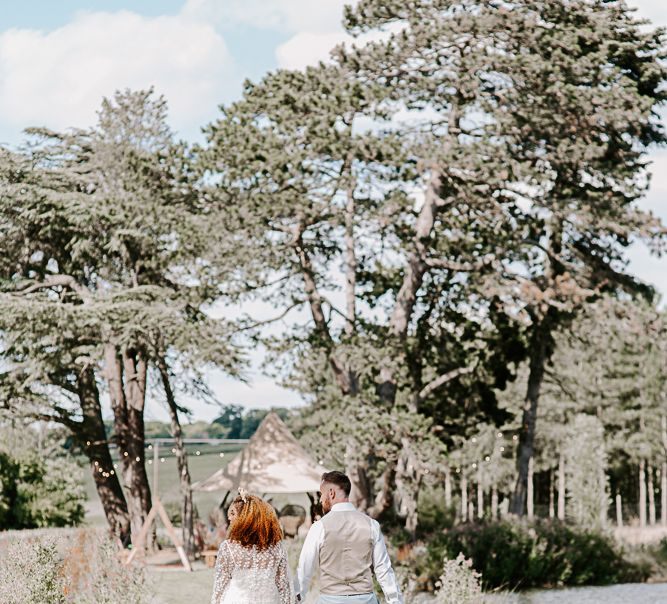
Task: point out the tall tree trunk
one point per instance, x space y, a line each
538 357
408 481
126 378
619 511
480 500
350 264
464 499
529 492
651 496
663 494
561 487
187 507
448 488
494 503
642 494
552 511
93 439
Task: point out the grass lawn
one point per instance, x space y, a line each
201 466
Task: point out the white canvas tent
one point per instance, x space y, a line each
272 462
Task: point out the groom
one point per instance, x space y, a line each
348 547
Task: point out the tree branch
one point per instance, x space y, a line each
460 266
443 379
59 281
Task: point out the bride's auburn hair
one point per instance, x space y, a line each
256 523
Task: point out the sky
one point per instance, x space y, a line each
58 58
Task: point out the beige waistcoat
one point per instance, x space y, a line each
346 554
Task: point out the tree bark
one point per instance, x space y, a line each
619 511
126 378
93 439
538 358
187 507
552 511
651 496
480 500
464 499
494 503
642 494
561 487
663 494
529 492
448 488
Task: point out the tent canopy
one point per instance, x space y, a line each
272 462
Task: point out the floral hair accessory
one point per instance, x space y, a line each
243 494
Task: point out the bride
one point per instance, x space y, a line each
251 567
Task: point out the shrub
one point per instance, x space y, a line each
81 567
459 583
521 555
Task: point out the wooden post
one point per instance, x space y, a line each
530 502
619 511
158 509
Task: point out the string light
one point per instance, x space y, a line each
197 453
487 458
502 449
138 458
97 463
222 454
458 470
112 472
474 439
173 450
150 447
474 465
150 462
88 443
162 460
125 453
515 437
500 434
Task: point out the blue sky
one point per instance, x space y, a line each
58 58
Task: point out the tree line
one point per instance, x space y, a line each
427 214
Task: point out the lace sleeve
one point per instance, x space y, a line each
283 580
223 574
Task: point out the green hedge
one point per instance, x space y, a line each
520 555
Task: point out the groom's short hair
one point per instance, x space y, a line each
339 479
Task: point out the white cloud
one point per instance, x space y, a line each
288 16
655 10
307 48
59 78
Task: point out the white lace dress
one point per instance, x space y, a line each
248 575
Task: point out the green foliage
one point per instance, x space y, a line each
520 555
236 422
586 468
41 487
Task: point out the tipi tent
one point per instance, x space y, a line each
272 462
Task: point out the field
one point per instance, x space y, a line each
201 466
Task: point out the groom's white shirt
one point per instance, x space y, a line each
310 555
